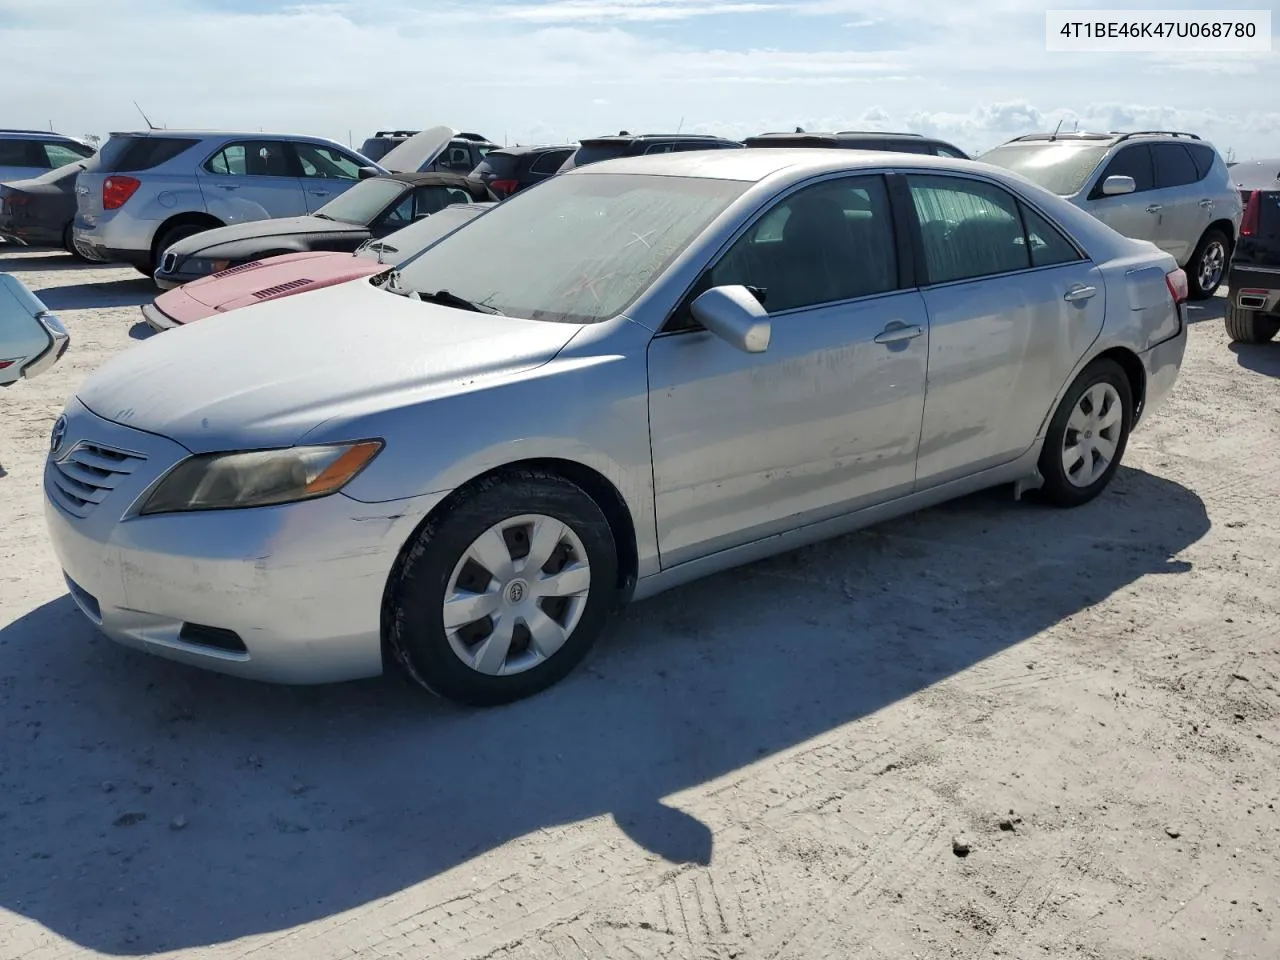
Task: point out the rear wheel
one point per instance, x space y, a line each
1250 326
69 243
1087 435
1208 265
504 594
171 236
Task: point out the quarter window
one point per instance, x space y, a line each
1174 165
250 158
1133 162
829 242
60 154
969 229
1047 244
549 162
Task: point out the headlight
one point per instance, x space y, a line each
260 478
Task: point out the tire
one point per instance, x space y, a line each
1101 380
169 238
1250 326
1208 265
439 561
68 243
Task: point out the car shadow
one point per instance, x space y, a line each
142 331
1201 311
24 259
301 803
133 292
1259 357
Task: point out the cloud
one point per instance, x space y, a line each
974 73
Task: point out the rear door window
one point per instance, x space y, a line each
251 158
1132 161
969 229
1174 165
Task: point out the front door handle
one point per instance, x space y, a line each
228 186
320 193
1154 208
1079 292
898 332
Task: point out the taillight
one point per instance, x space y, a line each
1249 225
117 190
1176 281
507 187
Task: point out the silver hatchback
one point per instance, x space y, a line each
641 372
1167 187
151 189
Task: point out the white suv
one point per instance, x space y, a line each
1170 188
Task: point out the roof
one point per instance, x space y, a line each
520 151
756 165
625 137
48 134
1112 137
227 134
838 135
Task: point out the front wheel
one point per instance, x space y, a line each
504 594
1207 266
1250 326
1087 435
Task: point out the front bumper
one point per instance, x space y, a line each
299 585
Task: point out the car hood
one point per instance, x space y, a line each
267 375
418 151
261 230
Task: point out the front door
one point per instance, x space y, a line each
326 172
825 421
1136 214
1012 306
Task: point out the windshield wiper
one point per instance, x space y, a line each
322 216
442 297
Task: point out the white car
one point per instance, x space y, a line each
31 338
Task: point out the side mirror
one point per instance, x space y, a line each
734 315
1116 186
367 172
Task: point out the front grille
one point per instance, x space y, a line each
83 478
269 292
170 261
230 270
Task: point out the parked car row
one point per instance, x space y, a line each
642 371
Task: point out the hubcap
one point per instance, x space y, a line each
1093 434
1211 265
516 595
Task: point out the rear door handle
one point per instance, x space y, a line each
1079 292
228 186
1154 208
321 193
1206 203
898 332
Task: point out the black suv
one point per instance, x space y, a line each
860 140
634 145
510 169
465 150
1253 310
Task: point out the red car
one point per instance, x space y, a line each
292 273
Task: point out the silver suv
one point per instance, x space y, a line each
151 189
29 153
1170 188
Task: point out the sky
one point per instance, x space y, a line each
974 72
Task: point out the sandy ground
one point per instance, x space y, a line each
771 764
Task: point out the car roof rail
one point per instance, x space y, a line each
1157 133
474 137
38 133
876 133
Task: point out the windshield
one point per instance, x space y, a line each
576 249
411 240
1061 167
361 203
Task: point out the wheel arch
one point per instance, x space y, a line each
1134 372
193 217
1228 230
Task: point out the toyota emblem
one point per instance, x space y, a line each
59 431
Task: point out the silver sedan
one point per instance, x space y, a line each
637 374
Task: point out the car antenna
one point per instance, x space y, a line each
681 126
150 125
1054 135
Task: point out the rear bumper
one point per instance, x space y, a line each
1162 363
1255 288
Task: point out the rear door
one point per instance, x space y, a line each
1183 218
326 172
252 180
1012 304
